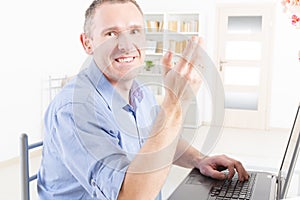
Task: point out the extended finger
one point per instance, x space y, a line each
187 55
197 58
167 62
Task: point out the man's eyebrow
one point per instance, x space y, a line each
117 28
136 26
113 28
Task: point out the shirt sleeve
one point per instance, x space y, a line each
90 150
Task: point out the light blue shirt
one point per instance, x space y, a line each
91 136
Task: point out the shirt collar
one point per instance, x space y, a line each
109 93
136 95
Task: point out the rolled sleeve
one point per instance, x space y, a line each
108 184
103 163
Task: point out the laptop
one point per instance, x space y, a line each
261 185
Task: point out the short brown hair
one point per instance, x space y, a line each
90 12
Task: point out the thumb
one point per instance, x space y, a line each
215 174
220 175
211 172
166 63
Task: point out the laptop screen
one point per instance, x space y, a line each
290 156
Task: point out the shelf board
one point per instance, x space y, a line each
154 32
189 126
153 54
149 74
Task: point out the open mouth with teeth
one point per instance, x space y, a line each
125 59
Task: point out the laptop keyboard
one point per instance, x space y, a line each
233 189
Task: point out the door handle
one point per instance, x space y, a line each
221 62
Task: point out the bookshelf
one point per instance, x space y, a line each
169 31
181 27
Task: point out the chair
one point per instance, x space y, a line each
24 165
55 85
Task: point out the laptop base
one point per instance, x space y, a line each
198 187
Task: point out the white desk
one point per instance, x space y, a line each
176 175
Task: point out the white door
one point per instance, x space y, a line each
244 48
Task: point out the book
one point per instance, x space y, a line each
154 25
159 47
173 26
189 26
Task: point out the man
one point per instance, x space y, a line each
105 136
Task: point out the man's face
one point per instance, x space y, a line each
118 40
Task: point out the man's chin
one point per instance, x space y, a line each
130 75
130 71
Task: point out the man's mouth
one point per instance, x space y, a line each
125 60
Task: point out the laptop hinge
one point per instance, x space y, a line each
279 182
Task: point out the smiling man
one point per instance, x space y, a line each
105 136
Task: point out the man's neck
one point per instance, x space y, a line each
123 87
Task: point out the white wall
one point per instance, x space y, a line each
41 38
285 94
38 39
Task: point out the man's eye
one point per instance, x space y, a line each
112 34
135 31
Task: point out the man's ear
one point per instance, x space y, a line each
86 43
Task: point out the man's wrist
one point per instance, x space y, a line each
173 111
198 159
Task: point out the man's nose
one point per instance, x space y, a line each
125 43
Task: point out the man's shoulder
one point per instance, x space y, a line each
76 90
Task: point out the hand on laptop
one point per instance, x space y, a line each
214 165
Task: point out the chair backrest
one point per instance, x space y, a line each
56 84
24 165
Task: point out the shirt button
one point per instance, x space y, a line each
93 183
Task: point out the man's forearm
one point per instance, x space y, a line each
186 155
148 171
